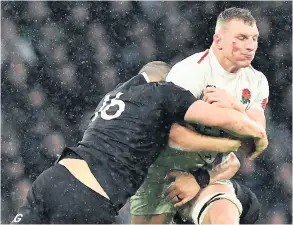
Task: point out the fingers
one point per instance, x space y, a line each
209 89
255 155
257 152
213 90
210 97
261 145
170 188
171 175
175 200
252 157
178 200
237 145
183 201
232 156
171 193
218 104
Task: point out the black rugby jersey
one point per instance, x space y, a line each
128 130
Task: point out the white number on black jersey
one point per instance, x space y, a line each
109 103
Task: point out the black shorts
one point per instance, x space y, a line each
58 197
249 201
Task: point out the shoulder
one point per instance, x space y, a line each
189 68
170 89
169 85
193 61
255 74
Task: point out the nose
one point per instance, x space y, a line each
251 45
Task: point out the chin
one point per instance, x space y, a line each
244 63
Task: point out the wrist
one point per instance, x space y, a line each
202 176
239 107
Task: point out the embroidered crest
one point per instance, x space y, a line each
246 95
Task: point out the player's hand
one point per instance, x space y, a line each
221 98
260 145
183 189
234 145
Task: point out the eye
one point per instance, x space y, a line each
241 38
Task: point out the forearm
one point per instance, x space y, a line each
227 119
232 104
185 139
254 114
242 126
238 106
257 116
225 170
246 143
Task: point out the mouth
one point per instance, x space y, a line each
248 56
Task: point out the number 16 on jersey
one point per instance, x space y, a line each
106 106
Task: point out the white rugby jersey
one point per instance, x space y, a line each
200 70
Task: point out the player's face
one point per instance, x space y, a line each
240 42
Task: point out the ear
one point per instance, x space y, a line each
218 41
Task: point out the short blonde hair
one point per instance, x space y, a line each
156 70
235 13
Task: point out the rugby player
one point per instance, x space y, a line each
221 75
130 126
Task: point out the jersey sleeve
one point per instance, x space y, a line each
261 99
177 100
187 75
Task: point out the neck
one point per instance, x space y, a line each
224 62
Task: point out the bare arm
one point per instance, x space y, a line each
221 98
250 145
255 146
257 115
253 113
231 120
218 97
185 139
225 170
247 145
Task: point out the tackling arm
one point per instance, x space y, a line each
257 115
247 144
232 121
220 98
185 139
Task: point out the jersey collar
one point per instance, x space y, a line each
217 66
144 74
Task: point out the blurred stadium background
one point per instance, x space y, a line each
59 58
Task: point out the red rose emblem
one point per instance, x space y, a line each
264 103
246 93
